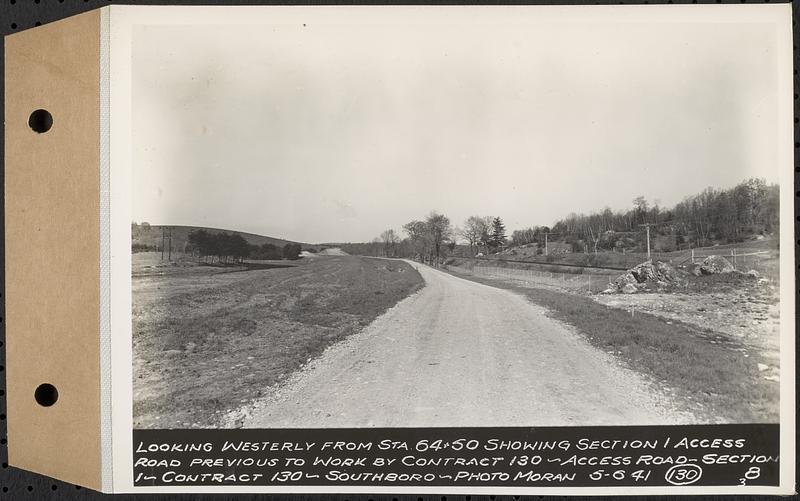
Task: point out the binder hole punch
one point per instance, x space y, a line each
46 395
40 121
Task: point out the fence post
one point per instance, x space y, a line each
733 255
692 256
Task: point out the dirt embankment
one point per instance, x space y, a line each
205 342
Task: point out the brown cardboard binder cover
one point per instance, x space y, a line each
52 248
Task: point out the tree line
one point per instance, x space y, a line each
712 216
230 248
484 234
432 239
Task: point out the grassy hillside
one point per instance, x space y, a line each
149 237
767 262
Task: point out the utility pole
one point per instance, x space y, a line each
163 238
169 254
545 243
647 227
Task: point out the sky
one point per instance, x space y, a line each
336 132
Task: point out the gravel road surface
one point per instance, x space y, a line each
459 353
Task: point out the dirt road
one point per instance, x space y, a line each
459 353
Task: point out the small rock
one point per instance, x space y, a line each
762 367
772 378
629 289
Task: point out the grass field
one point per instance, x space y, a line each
207 340
713 373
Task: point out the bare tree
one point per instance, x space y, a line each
439 231
594 236
390 240
376 246
418 238
475 229
641 207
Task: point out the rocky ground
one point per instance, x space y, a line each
741 307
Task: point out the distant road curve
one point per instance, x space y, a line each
459 353
333 251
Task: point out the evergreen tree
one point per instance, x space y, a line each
498 237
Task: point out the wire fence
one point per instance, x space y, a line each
576 282
592 279
742 258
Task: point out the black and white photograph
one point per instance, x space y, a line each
459 220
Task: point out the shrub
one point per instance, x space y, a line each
143 248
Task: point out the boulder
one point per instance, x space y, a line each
713 265
693 269
646 276
645 272
627 278
665 272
